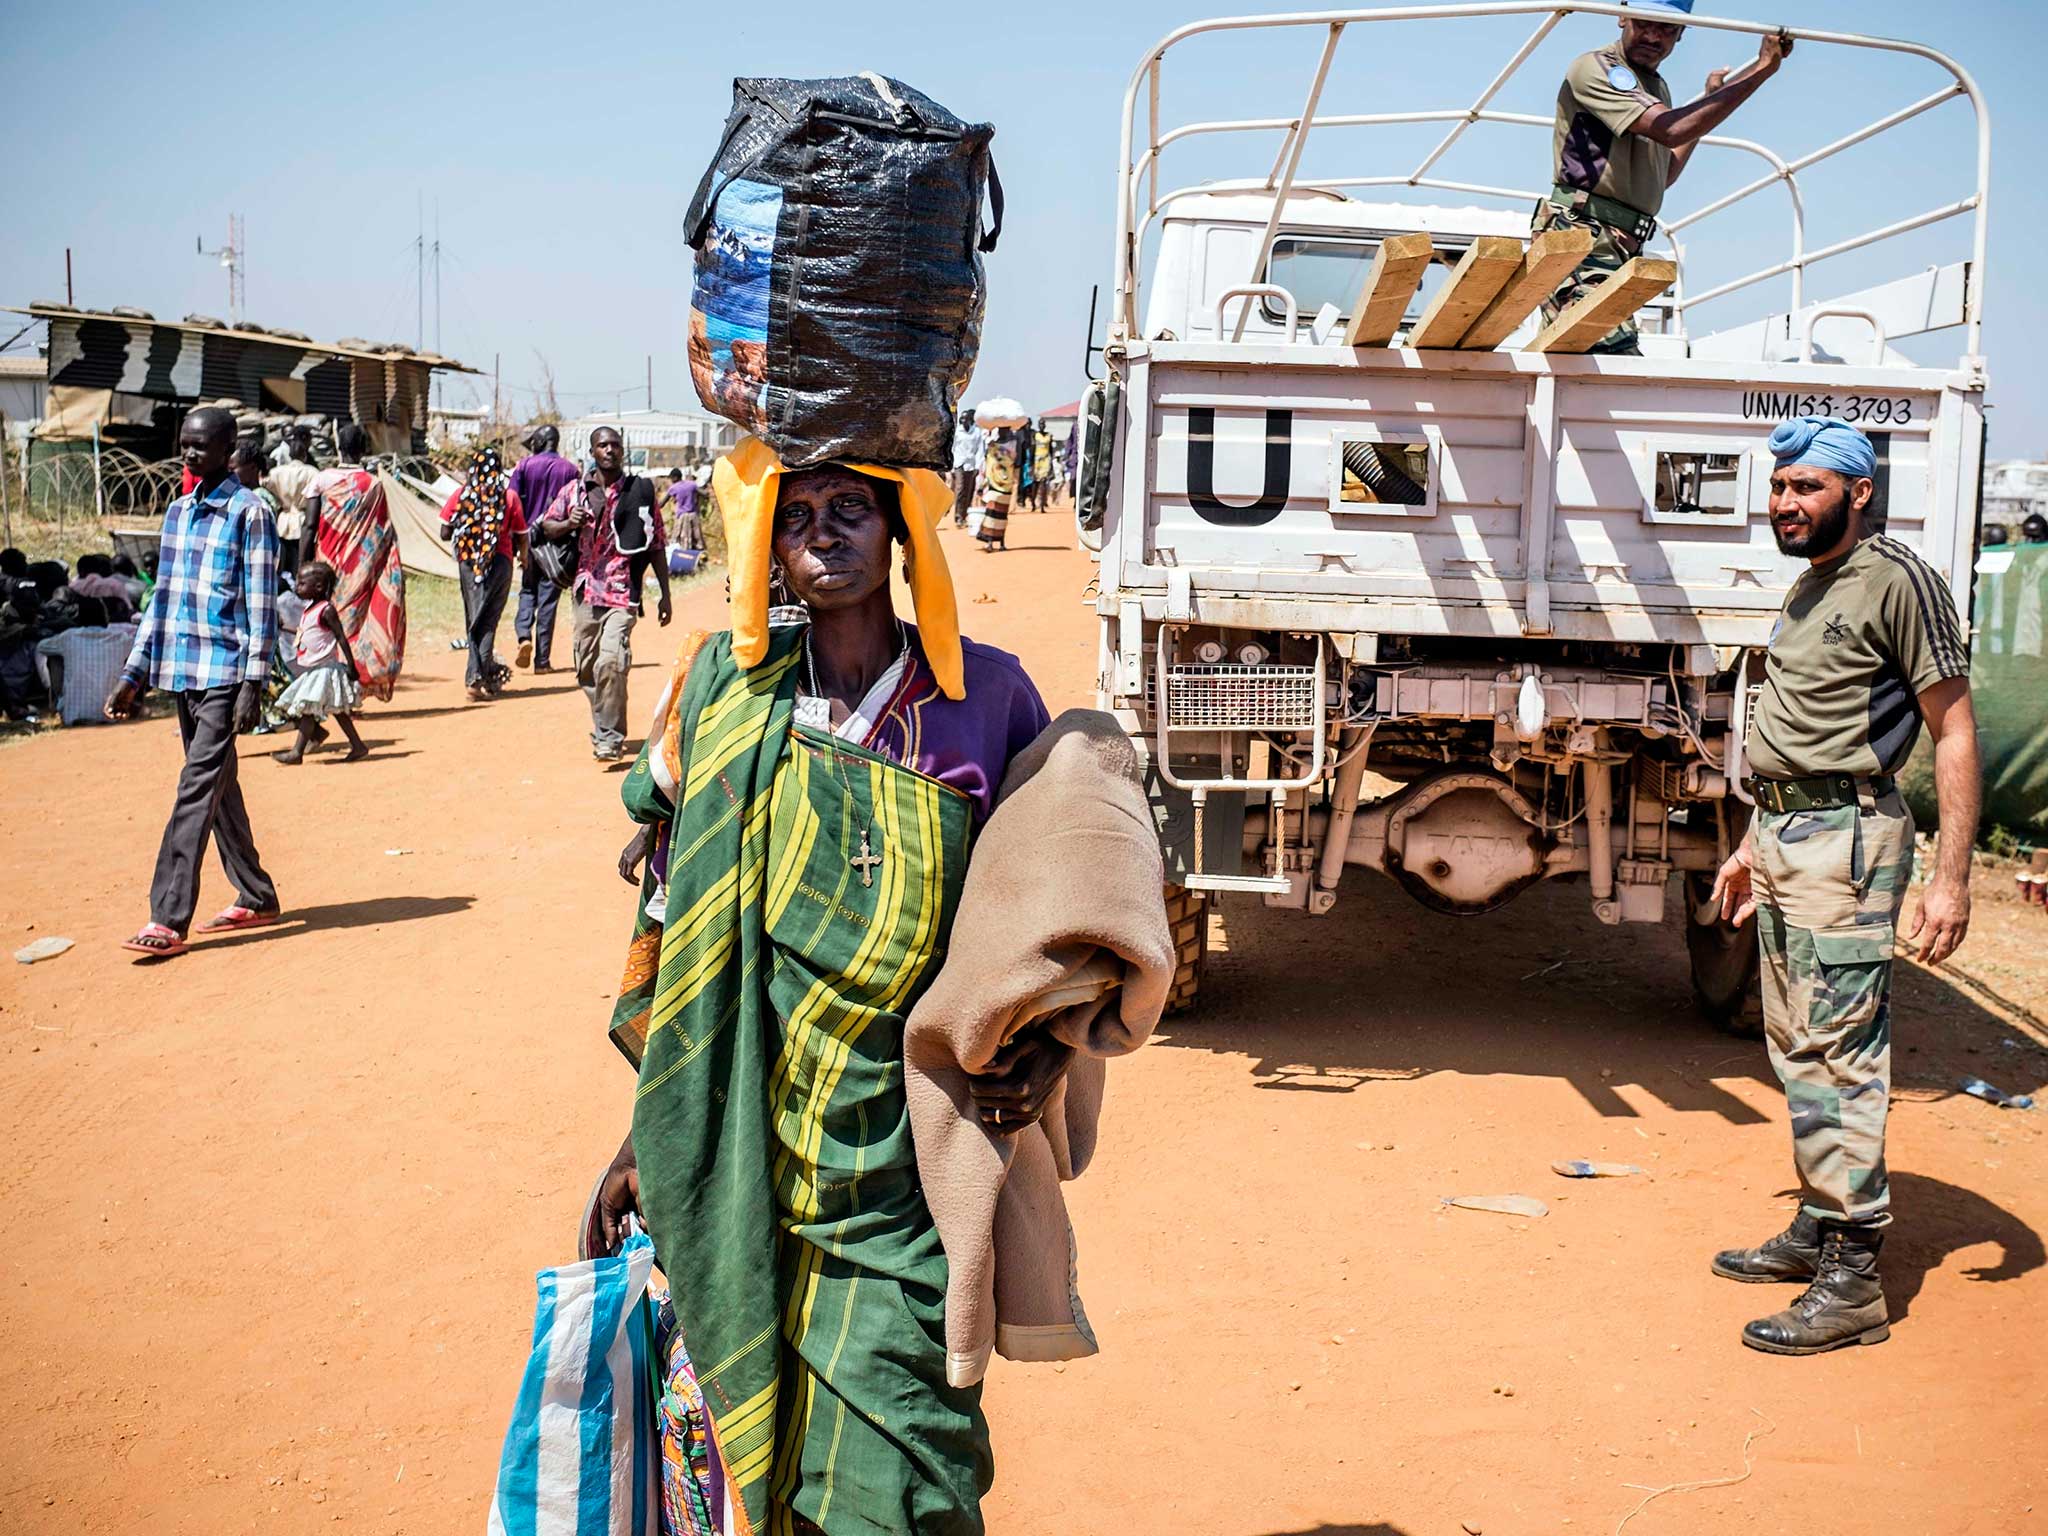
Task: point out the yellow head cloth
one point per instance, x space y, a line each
747 482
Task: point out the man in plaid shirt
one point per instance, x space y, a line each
207 638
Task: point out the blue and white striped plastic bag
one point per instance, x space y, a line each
582 1455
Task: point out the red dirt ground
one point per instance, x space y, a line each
273 1209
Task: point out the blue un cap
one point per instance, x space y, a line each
1677 10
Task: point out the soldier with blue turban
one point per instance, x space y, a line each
1619 143
1867 647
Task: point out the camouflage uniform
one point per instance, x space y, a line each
1599 161
1859 640
1829 885
1612 248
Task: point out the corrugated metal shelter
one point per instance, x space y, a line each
95 356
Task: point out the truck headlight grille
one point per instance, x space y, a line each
1228 696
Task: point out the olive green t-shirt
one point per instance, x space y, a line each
1602 96
1859 640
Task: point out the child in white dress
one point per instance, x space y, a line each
326 684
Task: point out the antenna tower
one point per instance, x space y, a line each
234 256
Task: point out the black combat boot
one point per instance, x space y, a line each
1794 1254
1844 1305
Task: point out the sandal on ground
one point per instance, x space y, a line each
228 919
156 941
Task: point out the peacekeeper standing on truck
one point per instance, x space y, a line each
1868 646
1620 143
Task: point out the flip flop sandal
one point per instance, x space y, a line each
231 918
156 941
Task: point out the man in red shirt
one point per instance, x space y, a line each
616 518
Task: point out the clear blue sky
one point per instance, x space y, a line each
560 157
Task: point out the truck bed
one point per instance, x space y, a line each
1542 515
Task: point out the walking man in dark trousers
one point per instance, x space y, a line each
207 639
1868 646
547 567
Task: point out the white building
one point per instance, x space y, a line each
24 390
654 439
2014 490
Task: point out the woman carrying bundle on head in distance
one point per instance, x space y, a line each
1000 476
807 797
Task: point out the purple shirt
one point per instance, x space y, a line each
537 478
965 743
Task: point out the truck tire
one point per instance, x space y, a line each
1187 913
1725 963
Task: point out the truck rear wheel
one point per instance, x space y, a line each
1725 963
1187 913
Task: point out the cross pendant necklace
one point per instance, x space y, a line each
867 862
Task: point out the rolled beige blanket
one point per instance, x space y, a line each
1062 919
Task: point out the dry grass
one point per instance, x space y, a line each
69 537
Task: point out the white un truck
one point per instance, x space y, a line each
1359 511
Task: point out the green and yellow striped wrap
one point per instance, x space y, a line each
777 1174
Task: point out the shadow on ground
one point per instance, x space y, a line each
519 690
368 913
1936 1219
1384 989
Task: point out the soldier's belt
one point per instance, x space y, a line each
1630 220
1825 793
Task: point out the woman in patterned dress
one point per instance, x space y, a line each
349 526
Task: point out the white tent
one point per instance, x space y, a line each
416 515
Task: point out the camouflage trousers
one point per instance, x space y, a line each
1612 249
1829 885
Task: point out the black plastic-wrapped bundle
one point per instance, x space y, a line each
837 300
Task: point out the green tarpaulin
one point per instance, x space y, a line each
2009 686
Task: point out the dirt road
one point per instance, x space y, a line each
273 1209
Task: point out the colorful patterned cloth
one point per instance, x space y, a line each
213 620
692 1493
811 887
358 540
478 523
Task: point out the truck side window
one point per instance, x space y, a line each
1319 271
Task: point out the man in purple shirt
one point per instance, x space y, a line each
550 563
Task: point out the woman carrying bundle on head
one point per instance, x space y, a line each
807 798
1000 474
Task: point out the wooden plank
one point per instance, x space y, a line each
1396 273
1553 256
1607 306
1473 283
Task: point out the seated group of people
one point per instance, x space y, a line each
65 632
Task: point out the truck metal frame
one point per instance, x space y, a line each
1527 589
